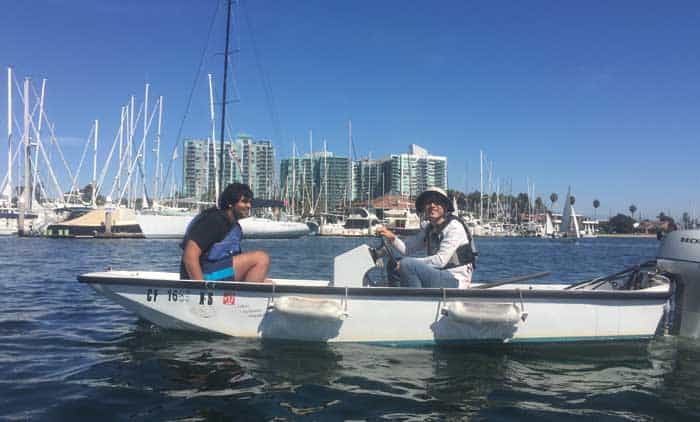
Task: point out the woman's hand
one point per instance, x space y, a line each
388 234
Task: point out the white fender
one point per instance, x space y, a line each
309 307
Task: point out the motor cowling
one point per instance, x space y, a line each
679 255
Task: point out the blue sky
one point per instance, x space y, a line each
602 97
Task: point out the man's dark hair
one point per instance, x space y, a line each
234 193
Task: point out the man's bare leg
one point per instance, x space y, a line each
251 266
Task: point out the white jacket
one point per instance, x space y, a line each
453 237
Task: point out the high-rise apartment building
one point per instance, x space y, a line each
410 174
201 168
370 179
258 166
317 182
332 182
245 161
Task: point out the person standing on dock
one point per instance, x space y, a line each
212 242
445 238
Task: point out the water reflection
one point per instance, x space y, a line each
354 380
171 374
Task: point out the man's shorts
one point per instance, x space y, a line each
221 270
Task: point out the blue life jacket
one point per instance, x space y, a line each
229 246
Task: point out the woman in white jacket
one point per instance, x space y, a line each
449 262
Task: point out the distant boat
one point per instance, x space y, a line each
569 223
172 225
8 221
402 221
548 226
93 223
358 222
590 228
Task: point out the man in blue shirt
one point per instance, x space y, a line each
212 242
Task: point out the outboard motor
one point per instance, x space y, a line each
679 255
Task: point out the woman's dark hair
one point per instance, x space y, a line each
234 193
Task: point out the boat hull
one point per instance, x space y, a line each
385 315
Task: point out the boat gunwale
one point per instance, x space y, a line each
445 293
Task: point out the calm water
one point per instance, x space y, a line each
67 353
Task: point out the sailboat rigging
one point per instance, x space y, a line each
223 102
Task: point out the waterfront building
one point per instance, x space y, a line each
332 181
297 184
370 179
257 161
245 161
315 182
199 171
405 175
303 179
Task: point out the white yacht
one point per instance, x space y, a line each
358 222
402 221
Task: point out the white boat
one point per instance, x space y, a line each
347 310
545 230
265 228
476 227
33 221
403 222
173 226
548 225
569 223
88 223
359 222
589 229
8 221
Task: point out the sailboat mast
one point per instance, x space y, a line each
311 184
9 129
144 157
27 171
481 185
212 150
349 190
294 181
158 176
223 102
130 144
37 142
325 175
93 200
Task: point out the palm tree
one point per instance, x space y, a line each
633 209
553 198
686 220
539 204
572 199
596 204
